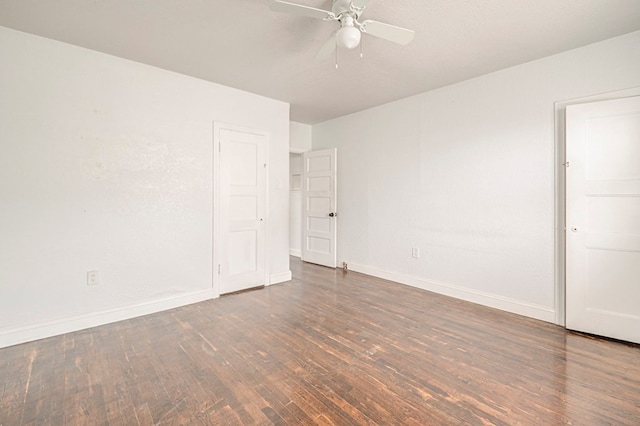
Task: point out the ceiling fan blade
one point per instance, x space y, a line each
328 47
388 32
299 9
360 4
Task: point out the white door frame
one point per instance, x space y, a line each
560 191
217 126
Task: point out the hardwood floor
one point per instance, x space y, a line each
329 347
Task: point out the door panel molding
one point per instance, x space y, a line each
240 207
560 190
319 207
602 218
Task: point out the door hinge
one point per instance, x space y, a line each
566 164
265 165
218 269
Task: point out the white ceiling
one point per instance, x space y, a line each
243 44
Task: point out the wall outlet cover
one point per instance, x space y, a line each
93 278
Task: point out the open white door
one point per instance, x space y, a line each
319 205
241 238
603 218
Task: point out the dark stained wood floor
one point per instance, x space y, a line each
328 347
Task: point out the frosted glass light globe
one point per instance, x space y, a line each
348 37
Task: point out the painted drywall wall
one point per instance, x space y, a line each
107 164
295 204
465 174
299 142
300 137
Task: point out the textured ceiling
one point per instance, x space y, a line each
243 44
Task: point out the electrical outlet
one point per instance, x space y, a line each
93 278
415 253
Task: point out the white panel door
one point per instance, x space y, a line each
242 202
603 218
319 212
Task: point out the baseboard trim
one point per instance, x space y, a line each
280 277
474 296
81 322
296 253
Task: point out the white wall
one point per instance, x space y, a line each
466 174
107 164
300 137
295 204
299 142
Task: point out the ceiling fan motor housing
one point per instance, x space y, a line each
341 6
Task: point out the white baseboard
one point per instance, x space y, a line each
296 253
475 296
280 277
68 325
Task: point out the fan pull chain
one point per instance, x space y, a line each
361 54
337 57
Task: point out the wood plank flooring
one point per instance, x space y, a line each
329 347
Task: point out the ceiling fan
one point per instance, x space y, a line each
347 13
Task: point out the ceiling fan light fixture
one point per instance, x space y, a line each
347 13
348 37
